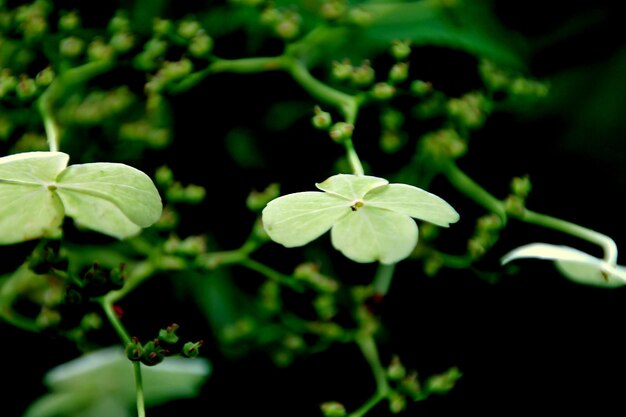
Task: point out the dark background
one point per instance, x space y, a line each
532 341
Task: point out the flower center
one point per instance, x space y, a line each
357 205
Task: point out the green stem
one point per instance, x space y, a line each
271 274
474 191
59 86
141 272
141 407
383 277
367 344
114 320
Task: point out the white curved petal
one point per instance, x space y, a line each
370 234
351 187
32 167
574 264
296 219
412 201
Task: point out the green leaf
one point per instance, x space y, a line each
573 264
412 201
113 199
34 168
370 234
296 219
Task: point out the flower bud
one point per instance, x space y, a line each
191 350
45 77
397 403
383 91
521 186
69 21
341 71
395 370
399 72
410 386
122 42
71 47
168 335
333 409
120 22
153 353
257 200
26 88
162 27
134 350
363 75
188 28
421 88
201 45
97 50
321 119
401 50
341 131
117 277
442 383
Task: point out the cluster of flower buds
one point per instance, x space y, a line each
520 189
485 235
154 351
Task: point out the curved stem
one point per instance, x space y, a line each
115 320
60 85
368 348
138 275
474 191
271 273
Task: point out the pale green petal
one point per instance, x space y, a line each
296 219
114 199
413 202
97 214
370 234
574 264
28 212
32 167
351 187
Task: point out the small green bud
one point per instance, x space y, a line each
45 77
442 383
98 50
410 386
342 71
162 27
399 72
383 91
153 353
26 88
421 88
321 119
176 70
325 306
401 50
392 141
521 186
47 318
192 350
201 45
363 75
489 223
289 26
164 176
341 131
188 28
271 16
122 42
155 48
470 110
309 273
69 21
442 144
134 350
515 205
391 119
117 277
333 409
395 370
120 22
168 335
257 200
333 9
359 16
71 47
397 403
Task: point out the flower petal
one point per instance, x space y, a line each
351 187
114 199
412 201
574 264
370 234
296 219
32 167
28 212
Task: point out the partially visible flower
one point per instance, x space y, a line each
370 218
102 384
576 265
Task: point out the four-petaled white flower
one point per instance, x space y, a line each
370 218
576 265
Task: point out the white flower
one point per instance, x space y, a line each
102 384
370 218
576 265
